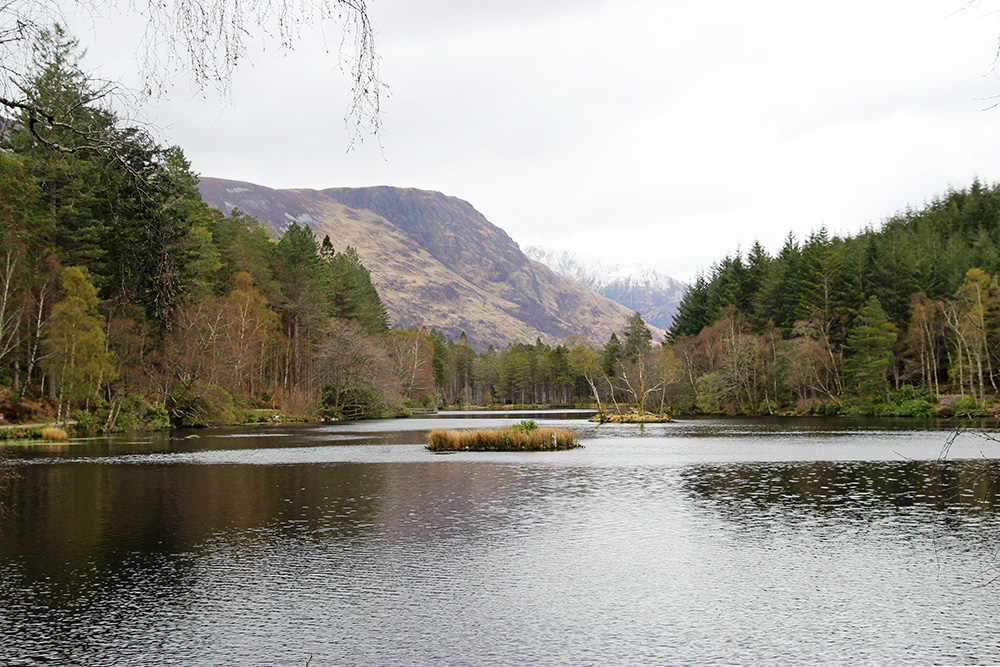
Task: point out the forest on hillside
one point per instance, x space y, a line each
908 312
902 319
127 303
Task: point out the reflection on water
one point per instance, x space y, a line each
711 542
844 488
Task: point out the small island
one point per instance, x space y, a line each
632 417
525 436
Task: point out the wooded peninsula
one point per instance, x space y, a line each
127 303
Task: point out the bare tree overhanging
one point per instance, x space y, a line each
987 9
204 41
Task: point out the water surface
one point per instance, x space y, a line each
786 542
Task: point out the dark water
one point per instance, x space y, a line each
696 543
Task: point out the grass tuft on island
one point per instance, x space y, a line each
631 418
54 433
525 436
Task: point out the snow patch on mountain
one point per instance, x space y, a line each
653 294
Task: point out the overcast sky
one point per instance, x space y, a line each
665 132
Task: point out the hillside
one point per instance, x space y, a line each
436 262
654 294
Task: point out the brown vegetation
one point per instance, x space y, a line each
506 439
54 433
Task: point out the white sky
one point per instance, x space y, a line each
659 131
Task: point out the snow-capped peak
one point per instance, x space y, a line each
653 294
596 273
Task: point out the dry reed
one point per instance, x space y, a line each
54 433
506 439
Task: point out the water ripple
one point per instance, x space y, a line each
645 549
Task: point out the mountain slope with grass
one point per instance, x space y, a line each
436 261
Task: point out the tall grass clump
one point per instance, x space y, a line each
522 437
54 433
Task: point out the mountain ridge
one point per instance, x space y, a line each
436 261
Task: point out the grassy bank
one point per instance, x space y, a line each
30 432
525 436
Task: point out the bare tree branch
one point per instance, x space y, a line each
207 42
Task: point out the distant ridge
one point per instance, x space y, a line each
436 262
653 294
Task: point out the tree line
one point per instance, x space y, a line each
623 373
127 301
885 322
902 319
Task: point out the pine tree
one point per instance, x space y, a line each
869 354
789 284
351 292
245 244
638 339
758 263
73 181
124 214
692 313
730 282
612 356
300 272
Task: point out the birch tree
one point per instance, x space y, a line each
76 353
869 354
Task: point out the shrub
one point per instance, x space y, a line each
134 413
396 405
768 408
916 407
203 405
261 416
138 414
864 410
18 434
350 403
711 393
155 418
87 423
910 393
968 407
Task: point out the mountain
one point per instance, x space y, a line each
655 295
436 262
